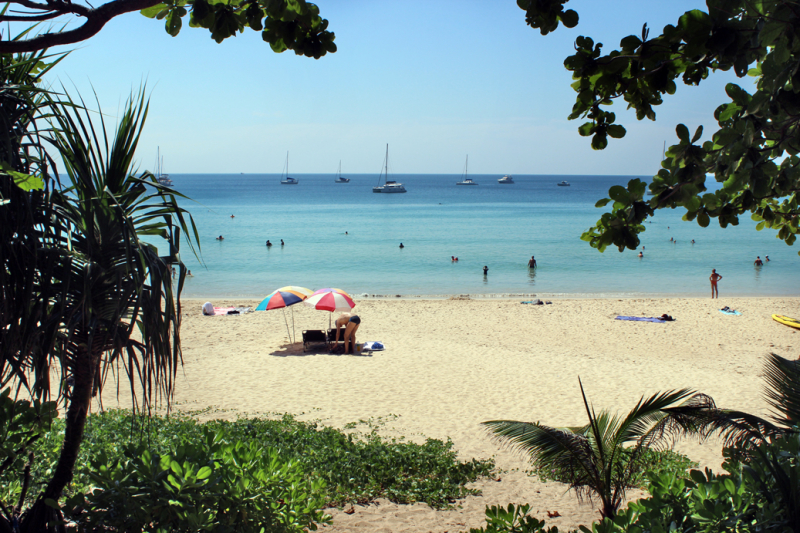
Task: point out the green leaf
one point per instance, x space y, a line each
697 134
618 193
26 182
616 131
602 203
683 133
204 472
152 11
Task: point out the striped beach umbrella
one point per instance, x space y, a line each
282 298
340 291
330 300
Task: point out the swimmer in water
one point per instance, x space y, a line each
766 258
233 216
485 270
641 254
220 238
282 243
189 273
758 262
401 245
268 243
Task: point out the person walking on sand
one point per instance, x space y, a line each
350 324
532 263
714 279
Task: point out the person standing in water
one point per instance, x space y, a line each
532 263
714 279
485 270
758 262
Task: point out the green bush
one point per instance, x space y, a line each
355 467
218 487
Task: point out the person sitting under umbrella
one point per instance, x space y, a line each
350 323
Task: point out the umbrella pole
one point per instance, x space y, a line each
294 334
287 324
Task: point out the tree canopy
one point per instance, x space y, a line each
284 24
753 154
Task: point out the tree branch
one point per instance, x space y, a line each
95 20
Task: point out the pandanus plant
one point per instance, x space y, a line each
118 307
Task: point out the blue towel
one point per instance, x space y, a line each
730 312
641 319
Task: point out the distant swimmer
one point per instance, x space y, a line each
233 216
766 258
268 243
346 233
692 241
641 254
456 259
282 243
173 272
532 263
453 258
485 270
642 247
671 239
189 273
220 238
401 245
714 279
758 262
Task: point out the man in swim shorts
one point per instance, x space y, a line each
350 324
714 279
532 263
758 262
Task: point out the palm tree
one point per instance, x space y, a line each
590 456
118 307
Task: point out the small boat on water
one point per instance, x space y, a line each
389 186
506 179
161 177
466 180
340 179
563 184
286 178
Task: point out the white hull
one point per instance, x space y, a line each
506 180
387 189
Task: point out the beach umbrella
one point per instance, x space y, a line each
283 298
330 300
340 291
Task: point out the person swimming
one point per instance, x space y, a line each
641 254
282 243
758 262
268 243
485 270
766 258
401 245
220 238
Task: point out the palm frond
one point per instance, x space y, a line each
782 378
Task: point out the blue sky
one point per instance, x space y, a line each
435 79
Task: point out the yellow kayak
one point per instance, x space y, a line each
791 322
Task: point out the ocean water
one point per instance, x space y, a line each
499 226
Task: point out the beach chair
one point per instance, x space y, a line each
332 344
314 336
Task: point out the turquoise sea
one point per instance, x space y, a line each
499 226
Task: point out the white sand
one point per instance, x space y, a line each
451 364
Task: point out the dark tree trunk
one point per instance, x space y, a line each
41 517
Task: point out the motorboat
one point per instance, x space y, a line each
466 180
286 178
506 179
339 178
161 177
563 184
389 186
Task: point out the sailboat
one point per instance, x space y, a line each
340 179
288 180
388 185
161 177
466 180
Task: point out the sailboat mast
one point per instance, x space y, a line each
387 163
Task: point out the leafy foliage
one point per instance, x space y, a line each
605 457
753 154
515 519
284 24
354 467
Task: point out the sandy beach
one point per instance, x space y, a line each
450 364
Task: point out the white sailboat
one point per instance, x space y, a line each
340 179
466 180
287 179
161 177
389 186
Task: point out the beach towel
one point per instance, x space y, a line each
728 311
641 319
218 311
372 346
534 302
